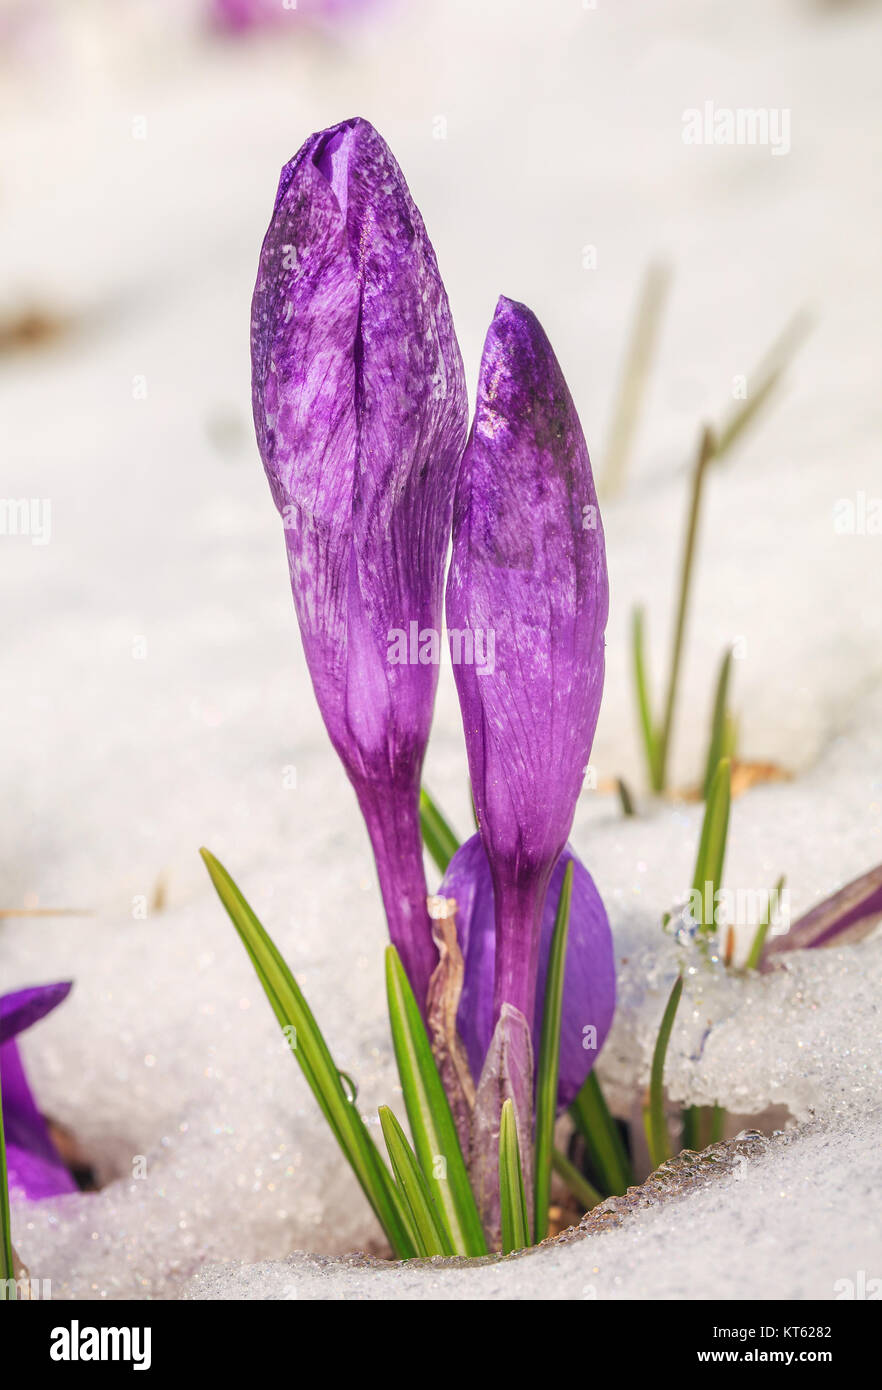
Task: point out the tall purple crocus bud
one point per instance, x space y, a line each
35 1167
528 568
361 415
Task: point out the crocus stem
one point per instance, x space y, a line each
394 827
705 454
518 917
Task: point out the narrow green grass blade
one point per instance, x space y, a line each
549 1057
642 347
647 727
431 1238
717 1123
720 725
755 954
7 1263
712 845
577 1182
625 797
438 838
428 1112
512 1197
656 1126
703 457
603 1141
690 1136
314 1058
766 378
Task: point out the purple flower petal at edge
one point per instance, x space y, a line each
26 1006
589 976
846 916
34 1165
361 413
35 1168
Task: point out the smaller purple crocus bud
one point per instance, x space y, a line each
361 414
847 916
528 568
589 989
34 1166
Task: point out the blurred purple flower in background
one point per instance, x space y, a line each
244 16
361 415
34 1165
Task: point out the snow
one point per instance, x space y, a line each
156 698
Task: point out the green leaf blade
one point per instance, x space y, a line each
314 1058
578 1184
548 1069
512 1197
656 1124
431 1238
602 1138
428 1112
717 744
712 846
644 709
438 837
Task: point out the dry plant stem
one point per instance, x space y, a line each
706 451
635 374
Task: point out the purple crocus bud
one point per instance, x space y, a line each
589 991
847 916
35 1168
361 414
527 578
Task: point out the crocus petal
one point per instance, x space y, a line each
34 1165
848 915
23 1007
589 976
360 411
529 568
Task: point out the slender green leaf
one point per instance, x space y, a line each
712 845
549 1057
647 726
315 1061
704 454
625 797
755 953
720 724
431 1238
577 1182
428 1112
438 838
765 380
512 1197
717 1123
656 1124
7 1262
690 1136
603 1140
702 1125
642 345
